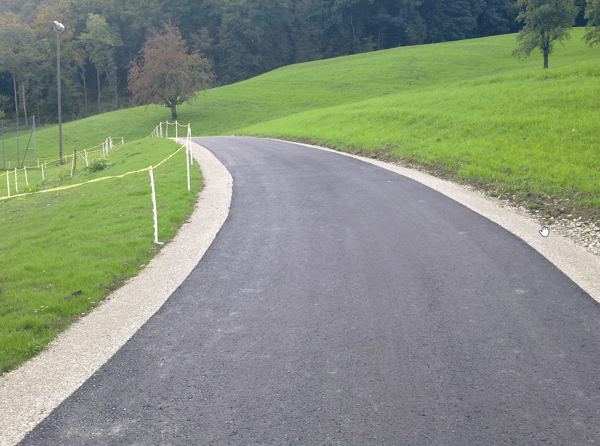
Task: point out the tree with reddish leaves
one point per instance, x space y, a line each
166 72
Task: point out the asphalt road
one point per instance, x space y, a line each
344 304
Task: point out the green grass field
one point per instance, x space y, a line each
64 250
466 110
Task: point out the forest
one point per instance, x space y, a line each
240 38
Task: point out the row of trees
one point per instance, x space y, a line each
240 38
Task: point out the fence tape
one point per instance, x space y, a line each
71 186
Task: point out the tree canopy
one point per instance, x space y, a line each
165 73
546 22
240 38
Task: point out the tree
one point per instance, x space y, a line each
592 29
166 73
20 50
99 42
546 21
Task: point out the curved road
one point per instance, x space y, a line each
344 304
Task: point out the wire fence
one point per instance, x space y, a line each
14 176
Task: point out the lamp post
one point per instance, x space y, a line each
59 28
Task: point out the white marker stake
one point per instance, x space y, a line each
187 162
176 130
26 180
8 183
43 173
154 208
16 182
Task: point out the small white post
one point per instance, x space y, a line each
86 158
110 142
43 173
16 182
73 162
189 143
187 162
160 126
154 208
8 183
176 130
122 140
26 179
167 129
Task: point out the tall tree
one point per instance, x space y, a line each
592 29
166 73
546 22
100 42
19 52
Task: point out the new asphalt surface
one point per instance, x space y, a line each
344 304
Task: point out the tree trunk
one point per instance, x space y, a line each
84 89
98 72
173 111
16 100
24 104
545 60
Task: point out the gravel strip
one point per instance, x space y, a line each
28 394
31 392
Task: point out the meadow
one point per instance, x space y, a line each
464 110
65 249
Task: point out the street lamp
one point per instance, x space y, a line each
59 28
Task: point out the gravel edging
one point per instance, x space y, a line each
29 393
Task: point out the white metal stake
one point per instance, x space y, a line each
86 158
16 182
154 208
26 179
167 129
160 126
8 183
176 130
43 173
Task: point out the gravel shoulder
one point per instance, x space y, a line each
30 393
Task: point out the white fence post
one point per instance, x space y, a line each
16 182
7 183
43 173
154 208
26 179
187 162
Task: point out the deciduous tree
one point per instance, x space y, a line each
546 21
592 29
100 42
166 73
